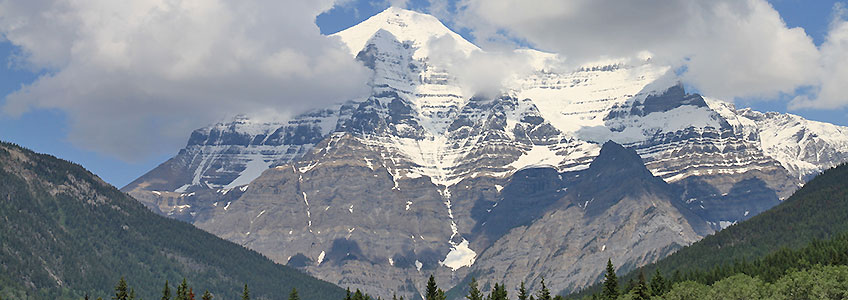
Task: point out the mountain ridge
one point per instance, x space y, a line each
427 148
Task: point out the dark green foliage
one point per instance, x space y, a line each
359 295
522 292
610 290
89 234
121 292
206 295
473 292
816 211
245 295
498 293
658 284
293 295
544 293
433 291
182 290
166 292
641 291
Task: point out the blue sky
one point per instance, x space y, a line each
47 130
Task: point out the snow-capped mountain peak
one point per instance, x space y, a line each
407 26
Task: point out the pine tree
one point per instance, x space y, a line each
132 294
347 296
610 290
658 284
206 296
121 290
166 292
642 292
358 295
182 290
293 295
473 292
432 289
498 292
522 292
544 293
246 294
440 295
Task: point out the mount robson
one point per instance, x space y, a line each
550 178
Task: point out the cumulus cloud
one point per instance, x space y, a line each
729 48
135 77
833 68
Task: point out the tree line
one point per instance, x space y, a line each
184 292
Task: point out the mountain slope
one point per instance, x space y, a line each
629 215
66 233
815 212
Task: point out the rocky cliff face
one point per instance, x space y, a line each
421 177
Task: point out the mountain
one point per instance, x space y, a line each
66 233
378 192
813 213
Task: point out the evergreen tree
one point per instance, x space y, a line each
440 295
498 293
641 289
132 294
658 284
358 295
347 296
206 296
182 290
394 296
610 290
166 292
473 292
544 293
246 294
432 289
121 290
522 292
293 295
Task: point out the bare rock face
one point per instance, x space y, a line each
615 209
424 177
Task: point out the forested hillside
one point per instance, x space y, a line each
64 234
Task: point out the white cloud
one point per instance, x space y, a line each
730 48
833 68
135 77
480 73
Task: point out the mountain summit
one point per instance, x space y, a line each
377 192
414 28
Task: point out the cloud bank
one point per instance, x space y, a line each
135 77
728 48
